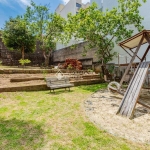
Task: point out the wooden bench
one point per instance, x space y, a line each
54 83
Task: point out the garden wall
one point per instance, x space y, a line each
59 56
10 58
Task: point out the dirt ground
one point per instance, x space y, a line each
101 109
5 79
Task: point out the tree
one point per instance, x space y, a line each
47 27
54 32
17 36
102 29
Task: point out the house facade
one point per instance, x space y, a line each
73 6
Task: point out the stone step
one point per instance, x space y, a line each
43 86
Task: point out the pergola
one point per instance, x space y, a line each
131 96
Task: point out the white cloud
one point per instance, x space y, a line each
21 2
83 1
24 2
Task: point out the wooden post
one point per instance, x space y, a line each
126 60
147 50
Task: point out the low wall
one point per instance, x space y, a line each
59 56
41 87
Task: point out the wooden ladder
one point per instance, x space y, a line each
131 96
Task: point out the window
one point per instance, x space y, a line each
78 5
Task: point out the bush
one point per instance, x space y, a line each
24 61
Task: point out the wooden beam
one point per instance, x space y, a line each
126 50
147 38
136 55
141 103
133 57
147 50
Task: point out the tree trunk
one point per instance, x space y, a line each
22 52
103 69
47 57
47 61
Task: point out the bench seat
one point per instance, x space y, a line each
54 83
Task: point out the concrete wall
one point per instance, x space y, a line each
76 53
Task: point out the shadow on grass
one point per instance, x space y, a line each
19 134
94 87
60 91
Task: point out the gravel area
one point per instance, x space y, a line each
101 109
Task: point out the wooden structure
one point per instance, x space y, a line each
131 96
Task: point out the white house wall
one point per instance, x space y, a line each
70 7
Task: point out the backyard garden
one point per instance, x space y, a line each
32 117
40 120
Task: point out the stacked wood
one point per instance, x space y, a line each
72 64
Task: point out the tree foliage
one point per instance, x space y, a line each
18 36
102 29
46 26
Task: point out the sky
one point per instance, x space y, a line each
12 8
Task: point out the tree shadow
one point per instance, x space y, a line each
60 91
140 111
19 134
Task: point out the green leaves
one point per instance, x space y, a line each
18 36
24 61
102 29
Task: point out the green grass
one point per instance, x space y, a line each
44 121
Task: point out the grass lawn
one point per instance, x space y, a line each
44 121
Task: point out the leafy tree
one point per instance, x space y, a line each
102 29
17 36
47 27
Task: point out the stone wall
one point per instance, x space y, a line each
59 56
10 58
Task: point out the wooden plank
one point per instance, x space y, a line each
122 103
129 90
54 83
132 93
133 87
136 90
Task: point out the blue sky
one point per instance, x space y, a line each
12 8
